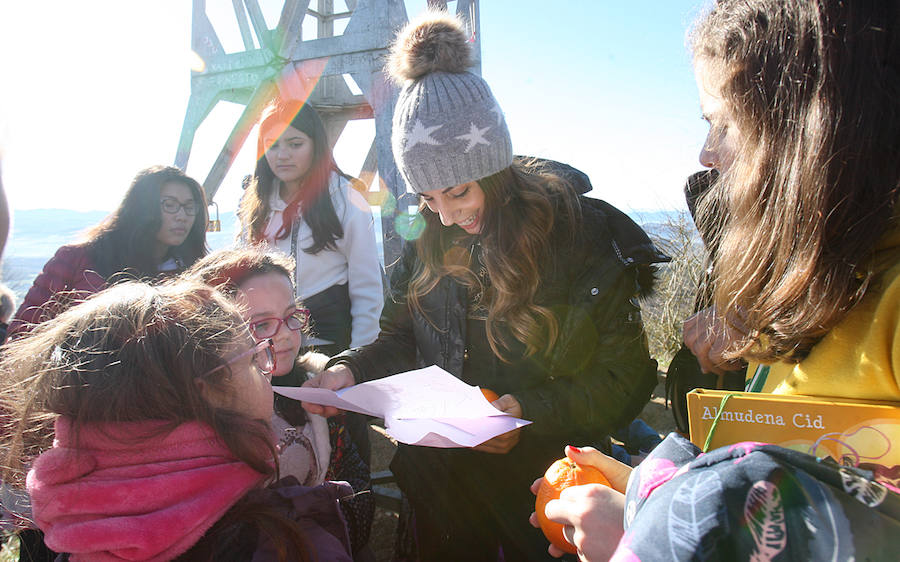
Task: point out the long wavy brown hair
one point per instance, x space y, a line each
135 352
814 89
522 204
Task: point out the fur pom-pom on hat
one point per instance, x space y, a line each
447 128
434 41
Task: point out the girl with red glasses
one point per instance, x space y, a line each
310 448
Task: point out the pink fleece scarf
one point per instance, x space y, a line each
115 499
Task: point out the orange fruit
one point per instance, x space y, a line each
489 394
562 474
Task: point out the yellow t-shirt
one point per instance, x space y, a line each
860 357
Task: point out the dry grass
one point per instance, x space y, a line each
673 301
10 550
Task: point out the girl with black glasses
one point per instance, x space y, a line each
159 228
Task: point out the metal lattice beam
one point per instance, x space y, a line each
287 64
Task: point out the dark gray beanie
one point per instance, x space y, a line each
448 129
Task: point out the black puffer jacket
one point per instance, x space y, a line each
599 374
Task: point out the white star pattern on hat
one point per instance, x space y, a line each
475 136
420 134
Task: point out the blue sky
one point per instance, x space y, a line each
93 92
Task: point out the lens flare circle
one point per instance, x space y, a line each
409 226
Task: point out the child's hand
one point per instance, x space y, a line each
591 514
333 378
617 473
710 337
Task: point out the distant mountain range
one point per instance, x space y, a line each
38 233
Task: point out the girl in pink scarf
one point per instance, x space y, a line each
159 401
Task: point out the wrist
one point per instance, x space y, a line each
340 363
345 374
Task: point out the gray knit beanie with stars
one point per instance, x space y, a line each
448 129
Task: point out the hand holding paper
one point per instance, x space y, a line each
334 378
427 407
503 443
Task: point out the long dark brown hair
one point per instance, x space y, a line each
814 90
521 206
313 200
124 242
135 352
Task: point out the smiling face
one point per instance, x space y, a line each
270 295
723 138
290 156
176 226
461 205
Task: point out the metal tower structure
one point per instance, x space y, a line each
282 61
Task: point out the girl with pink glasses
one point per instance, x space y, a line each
310 448
141 418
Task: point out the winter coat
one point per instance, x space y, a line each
71 276
596 379
130 491
598 376
345 462
68 277
314 509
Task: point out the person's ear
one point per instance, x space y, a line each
209 393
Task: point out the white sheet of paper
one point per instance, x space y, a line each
457 432
427 407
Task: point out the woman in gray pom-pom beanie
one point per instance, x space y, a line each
516 284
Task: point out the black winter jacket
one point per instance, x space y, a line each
599 374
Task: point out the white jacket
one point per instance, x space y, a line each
354 261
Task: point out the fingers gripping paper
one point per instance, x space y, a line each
428 407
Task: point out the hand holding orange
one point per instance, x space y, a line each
562 474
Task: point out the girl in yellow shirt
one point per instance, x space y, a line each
805 132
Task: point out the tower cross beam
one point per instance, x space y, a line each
313 69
